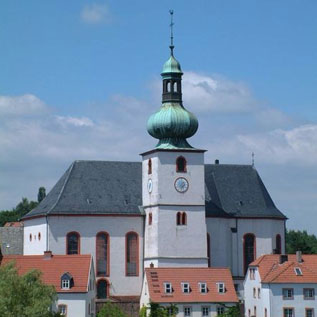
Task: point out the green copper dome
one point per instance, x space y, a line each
172 125
172 66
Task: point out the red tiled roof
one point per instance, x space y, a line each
14 224
156 277
272 272
53 268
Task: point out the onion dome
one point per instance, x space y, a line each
172 124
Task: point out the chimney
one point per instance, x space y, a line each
299 258
217 162
283 258
48 255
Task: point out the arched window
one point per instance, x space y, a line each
102 254
181 165
132 254
184 219
150 218
168 86
249 250
208 250
102 289
149 169
73 243
175 86
179 218
278 249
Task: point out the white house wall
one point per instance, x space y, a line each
35 228
76 303
88 227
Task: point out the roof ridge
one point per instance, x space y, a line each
62 189
282 271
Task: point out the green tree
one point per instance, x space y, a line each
111 310
26 295
233 311
159 311
300 241
41 194
18 212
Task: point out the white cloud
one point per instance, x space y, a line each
217 94
21 105
96 13
77 122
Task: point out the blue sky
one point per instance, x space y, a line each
79 79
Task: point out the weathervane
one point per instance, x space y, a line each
172 36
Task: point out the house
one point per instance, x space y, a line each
73 277
196 292
281 285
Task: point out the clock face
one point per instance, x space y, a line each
150 186
181 184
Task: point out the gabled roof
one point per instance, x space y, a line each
156 277
272 272
54 267
105 187
14 224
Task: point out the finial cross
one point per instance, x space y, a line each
172 36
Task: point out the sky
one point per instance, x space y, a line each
79 79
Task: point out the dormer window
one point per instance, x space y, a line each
203 288
67 281
185 288
168 288
298 271
221 288
181 165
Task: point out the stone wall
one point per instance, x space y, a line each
11 240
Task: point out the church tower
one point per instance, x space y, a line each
173 186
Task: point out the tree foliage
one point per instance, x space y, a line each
41 194
155 310
233 311
300 241
26 295
18 212
111 310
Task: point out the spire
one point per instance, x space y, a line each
172 124
172 35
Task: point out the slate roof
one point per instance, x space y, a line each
54 267
271 271
156 277
106 187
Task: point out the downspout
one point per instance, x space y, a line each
47 247
237 242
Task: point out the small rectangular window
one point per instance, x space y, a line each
298 271
203 288
220 310
289 312
309 293
62 309
252 273
168 288
309 312
205 311
259 293
185 287
288 293
65 284
254 292
187 311
221 287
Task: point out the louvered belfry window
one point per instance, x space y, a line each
132 254
102 245
73 243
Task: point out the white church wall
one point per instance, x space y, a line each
177 245
34 236
117 228
265 231
164 175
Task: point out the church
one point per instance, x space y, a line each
171 210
